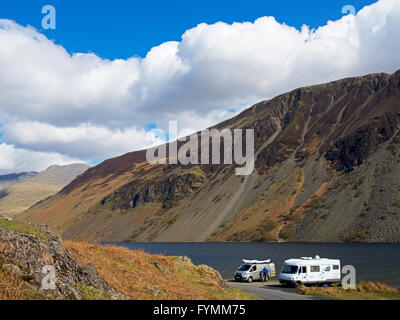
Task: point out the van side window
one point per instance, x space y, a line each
303 269
328 268
335 267
314 268
253 268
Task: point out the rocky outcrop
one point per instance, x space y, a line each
167 192
351 151
46 265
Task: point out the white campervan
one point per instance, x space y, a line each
309 270
252 270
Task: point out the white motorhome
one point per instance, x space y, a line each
308 270
252 270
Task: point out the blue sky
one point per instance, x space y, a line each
121 28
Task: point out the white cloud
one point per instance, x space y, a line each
95 107
83 142
19 160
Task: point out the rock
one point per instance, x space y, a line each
154 290
216 275
185 259
117 296
13 270
157 265
32 258
93 278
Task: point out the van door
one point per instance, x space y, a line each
303 274
325 272
253 272
336 272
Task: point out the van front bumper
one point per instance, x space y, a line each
287 282
239 277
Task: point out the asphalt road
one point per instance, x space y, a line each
271 291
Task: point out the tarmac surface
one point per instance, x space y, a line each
271 291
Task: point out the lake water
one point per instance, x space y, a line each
373 261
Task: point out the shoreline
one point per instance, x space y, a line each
226 257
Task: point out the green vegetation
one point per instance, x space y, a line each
356 236
22 228
291 217
293 209
90 293
396 204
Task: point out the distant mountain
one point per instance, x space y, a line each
8 180
327 169
22 190
61 175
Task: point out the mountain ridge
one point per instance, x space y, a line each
311 144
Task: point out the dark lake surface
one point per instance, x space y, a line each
373 261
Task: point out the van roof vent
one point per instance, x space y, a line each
317 257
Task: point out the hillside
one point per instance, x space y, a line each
8 180
21 191
327 169
92 272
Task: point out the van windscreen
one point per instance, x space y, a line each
289 269
244 267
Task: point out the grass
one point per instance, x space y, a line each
22 228
13 288
139 275
90 293
363 291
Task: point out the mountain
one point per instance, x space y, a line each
8 180
21 191
326 169
61 175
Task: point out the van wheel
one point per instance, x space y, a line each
250 280
297 284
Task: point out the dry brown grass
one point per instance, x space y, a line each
375 287
139 275
363 291
11 288
14 288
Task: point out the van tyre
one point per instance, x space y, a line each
250 280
